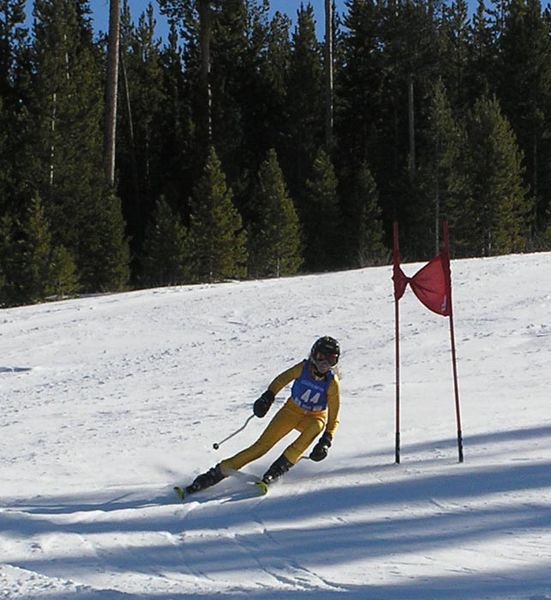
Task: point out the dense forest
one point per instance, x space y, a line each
234 157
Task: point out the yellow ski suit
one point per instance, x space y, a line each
291 416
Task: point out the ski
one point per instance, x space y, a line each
183 492
262 487
180 492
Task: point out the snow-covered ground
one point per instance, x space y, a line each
107 402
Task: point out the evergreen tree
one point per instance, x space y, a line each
365 229
497 214
305 104
442 179
13 37
175 129
67 109
141 128
456 40
482 54
272 105
392 54
103 246
5 163
166 248
359 101
31 266
35 253
525 93
63 277
322 220
274 244
7 259
359 84
217 238
231 75
13 34
67 105
413 55
26 256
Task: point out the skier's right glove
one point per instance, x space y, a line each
262 405
319 451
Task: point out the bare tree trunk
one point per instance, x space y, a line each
111 92
411 121
52 142
133 158
206 94
328 73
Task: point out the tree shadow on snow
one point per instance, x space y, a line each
292 531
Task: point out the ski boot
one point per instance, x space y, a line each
201 482
278 468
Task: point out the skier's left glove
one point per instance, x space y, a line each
319 451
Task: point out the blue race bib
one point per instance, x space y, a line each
309 393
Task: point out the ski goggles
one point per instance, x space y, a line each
330 359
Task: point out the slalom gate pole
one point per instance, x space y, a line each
396 262
397 428
456 390
452 341
217 445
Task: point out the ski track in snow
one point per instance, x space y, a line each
109 401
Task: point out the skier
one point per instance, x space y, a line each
312 408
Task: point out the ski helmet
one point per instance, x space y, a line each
325 353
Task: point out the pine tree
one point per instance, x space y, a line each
7 255
413 56
26 250
456 40
36 247
365 227
12 36
322 220
63 277
272 105
275 232
103 246
176 128
359 84
217 238
305 104
67 105
67 110
13 39
497 214
166 248
5 162
525 93
442 178
232 76
32 268
482 54
359 102
142 123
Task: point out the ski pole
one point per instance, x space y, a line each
217 445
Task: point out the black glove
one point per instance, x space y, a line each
262 405
319 451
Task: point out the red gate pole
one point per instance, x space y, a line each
396 266
446 263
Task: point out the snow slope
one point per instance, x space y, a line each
106 402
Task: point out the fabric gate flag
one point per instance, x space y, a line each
430 284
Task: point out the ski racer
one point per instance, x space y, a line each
312 408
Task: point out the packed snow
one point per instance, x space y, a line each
108 401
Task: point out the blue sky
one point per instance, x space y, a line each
100 10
